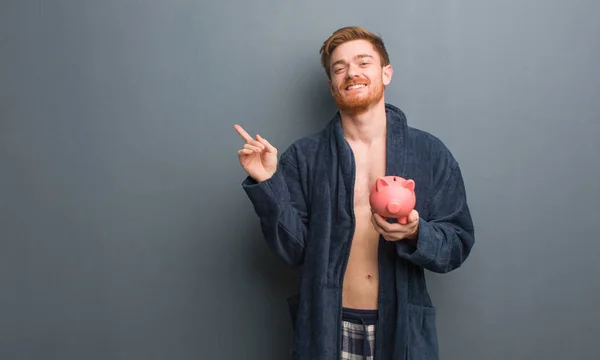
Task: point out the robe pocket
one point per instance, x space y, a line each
422 333
293 303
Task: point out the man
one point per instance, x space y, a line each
363 292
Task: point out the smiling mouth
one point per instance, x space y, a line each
356 86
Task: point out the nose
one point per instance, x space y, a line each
352 71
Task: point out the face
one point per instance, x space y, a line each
357 77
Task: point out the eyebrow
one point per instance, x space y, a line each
359 56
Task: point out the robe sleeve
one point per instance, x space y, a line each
280 205
447 236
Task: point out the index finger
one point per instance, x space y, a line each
242 133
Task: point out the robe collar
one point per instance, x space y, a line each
396 158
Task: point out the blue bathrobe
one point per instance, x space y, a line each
306 215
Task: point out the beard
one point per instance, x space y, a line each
360 101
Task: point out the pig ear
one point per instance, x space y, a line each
381 183
410 184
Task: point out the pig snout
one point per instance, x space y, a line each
393 207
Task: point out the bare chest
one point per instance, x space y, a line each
370 164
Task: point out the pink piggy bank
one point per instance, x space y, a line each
393 197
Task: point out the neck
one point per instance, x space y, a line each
365 127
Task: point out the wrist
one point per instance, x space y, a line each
414 235
260 179
263 177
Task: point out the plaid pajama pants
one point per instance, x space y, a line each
358 335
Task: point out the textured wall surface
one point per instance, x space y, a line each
124 231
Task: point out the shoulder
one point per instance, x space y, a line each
304 150
431 159
423 147
429 148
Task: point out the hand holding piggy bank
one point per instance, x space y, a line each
393 197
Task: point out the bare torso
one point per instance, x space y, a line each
361 280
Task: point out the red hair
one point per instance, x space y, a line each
350 33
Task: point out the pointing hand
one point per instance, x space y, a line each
258 157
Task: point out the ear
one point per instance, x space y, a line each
386 74
410 184
381 183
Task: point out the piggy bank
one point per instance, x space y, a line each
393 197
